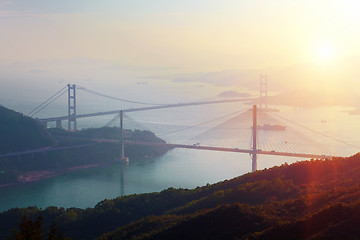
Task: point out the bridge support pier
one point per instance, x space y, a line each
254 136
58 124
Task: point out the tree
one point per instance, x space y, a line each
30 230
54 233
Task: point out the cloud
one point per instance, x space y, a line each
6 3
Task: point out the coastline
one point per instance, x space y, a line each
36 176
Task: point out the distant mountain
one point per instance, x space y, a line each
281 78
244 78
315 98
234 94
19 132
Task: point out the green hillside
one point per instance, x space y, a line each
19 132
307 200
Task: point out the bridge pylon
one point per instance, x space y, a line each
122 154
72 107
263 91
254 142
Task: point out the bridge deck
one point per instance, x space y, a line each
221 149
143 109
169 145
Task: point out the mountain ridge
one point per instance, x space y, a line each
265 201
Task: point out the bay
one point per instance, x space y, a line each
179 168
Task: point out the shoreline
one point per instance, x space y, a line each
36 176
40 175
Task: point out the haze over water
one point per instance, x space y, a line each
169 52
179 168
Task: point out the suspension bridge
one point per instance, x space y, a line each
282 142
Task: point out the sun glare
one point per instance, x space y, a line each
324 52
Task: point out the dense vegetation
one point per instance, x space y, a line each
19 133
313 199
30 229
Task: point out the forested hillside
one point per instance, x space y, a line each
307 200
19 132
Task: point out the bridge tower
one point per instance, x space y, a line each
122 155
71 106
263 91
254 138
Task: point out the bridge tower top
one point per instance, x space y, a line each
263 91
72 107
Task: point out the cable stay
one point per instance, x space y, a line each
113 120
204 136
203 123
314 131
45 102
184 125
136 124
287 142
116 118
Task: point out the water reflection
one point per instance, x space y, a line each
122 177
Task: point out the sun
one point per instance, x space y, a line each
324 52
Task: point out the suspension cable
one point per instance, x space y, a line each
115 98
45 102
48 103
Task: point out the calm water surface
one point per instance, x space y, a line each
84 188
179 168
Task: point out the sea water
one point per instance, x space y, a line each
180 168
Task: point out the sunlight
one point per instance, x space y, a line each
324 52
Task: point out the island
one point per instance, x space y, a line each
61 151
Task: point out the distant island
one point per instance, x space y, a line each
233 94
355 111
314 98
21 133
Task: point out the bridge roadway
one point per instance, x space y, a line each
143 109
221 149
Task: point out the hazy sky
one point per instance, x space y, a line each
196 35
